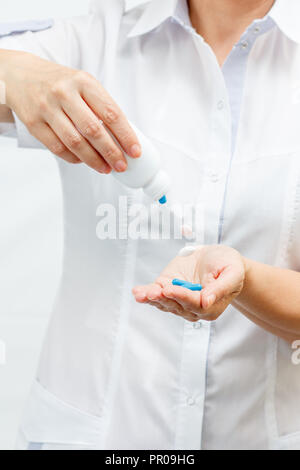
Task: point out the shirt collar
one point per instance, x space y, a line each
285 13
155 13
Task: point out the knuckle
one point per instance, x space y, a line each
73 141
31 123
82 76
74 160
112 154
57 148
111 114
43 105
93 130
83 79
128 138
59 90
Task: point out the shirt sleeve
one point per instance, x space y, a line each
8 29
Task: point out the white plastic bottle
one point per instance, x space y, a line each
145 172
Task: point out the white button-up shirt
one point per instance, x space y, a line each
119 375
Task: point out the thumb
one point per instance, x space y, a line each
227 284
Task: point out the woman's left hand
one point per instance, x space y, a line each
219 269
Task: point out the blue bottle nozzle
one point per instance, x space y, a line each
163 200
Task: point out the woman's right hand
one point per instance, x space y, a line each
63 108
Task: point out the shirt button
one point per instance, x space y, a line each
245 44
257 29
197 325
221 105
190 401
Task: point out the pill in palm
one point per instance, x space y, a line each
187 285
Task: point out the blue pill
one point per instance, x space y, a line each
187 285
195 287
178 282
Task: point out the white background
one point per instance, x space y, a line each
30 244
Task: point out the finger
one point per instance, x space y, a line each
163 281
140 289
155 292
227 284
173 307
140 296
152 294
93 130
159 306
76 143
189 300
191 317
170 306
141 293
47 137
136 289
106 109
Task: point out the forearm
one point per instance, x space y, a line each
289 337
271 298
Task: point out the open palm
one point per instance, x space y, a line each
219 269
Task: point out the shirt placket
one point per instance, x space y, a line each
192 385
196 336
234 74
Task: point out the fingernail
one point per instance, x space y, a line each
135 151
120 166
106 170
210 300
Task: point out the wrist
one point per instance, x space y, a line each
247 269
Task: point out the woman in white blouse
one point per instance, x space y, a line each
216 86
